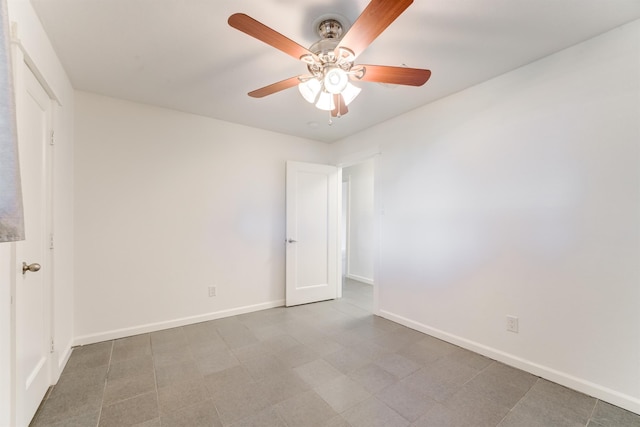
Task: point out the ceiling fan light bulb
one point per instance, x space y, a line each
335 80
325 101
349 93
310 89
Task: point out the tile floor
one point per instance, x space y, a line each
324 364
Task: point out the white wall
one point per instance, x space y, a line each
36 46
168 204
360 250
521 196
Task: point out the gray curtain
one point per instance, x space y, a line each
11 216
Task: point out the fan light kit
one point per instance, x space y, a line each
330 61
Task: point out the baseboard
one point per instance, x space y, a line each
359 278
158 326
627 402
60 361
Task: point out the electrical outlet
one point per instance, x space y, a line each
512 324
212 291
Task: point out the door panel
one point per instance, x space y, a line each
33 329
313 240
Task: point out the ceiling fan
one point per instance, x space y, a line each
330 61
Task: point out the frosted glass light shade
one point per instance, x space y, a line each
310 89
335 80
325 101
349 93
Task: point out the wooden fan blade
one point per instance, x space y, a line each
395 75
376 17
275 87
258 30
340 107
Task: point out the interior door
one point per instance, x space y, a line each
32 303
313 237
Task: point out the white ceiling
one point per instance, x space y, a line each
181 54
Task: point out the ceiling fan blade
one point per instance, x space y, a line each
275 87
394 75
376 17
340 106
258 30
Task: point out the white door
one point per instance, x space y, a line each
313 236
32 303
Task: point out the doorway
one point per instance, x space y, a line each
358 240
331 240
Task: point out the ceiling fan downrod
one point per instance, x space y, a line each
330 29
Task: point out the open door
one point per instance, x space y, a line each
313 235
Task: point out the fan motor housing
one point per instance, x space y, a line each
330 28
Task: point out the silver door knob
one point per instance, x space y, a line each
30 267
292 241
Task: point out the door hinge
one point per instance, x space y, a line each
51 241
52 346
53 138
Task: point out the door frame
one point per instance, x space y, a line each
378 211
345 212
22 63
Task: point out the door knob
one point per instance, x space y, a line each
292 241
30 267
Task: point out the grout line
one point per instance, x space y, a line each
593 410
518 402
104 388
155 379
477 374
